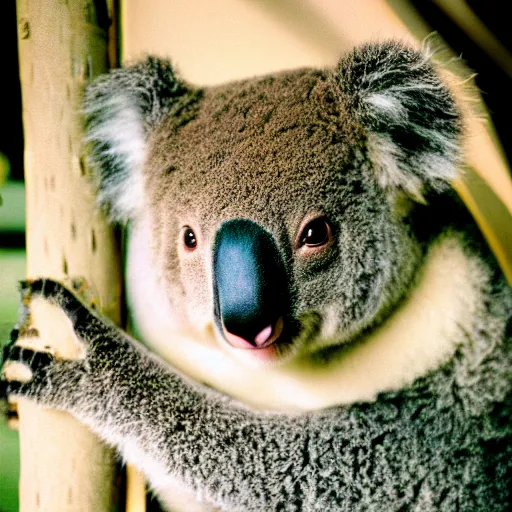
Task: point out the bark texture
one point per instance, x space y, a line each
62 45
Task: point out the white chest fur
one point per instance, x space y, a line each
421 334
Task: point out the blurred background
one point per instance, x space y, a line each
211 42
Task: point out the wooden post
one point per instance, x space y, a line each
62 45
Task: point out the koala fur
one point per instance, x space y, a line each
384 383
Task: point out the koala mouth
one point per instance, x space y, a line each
262 339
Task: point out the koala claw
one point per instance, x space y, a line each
58 294
34 360
17 382
51 290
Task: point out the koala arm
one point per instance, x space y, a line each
344 458
132 399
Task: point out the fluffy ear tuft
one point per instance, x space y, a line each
120 109
411 119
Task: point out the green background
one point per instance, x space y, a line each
12 269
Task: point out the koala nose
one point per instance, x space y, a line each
250 287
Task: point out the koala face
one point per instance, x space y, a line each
292 168
273 203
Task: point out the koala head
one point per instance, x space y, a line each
278 207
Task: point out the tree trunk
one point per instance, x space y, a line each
62 45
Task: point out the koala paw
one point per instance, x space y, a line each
83 345
54 292
40 377
24 371
82 318
32 369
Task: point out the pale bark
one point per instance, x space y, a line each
64 467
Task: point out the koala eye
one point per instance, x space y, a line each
189 239
316 233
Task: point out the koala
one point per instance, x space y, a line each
324 327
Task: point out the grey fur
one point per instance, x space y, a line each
396 94
443 444
145 92
372 146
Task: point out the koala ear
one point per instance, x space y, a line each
120 110
412 122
